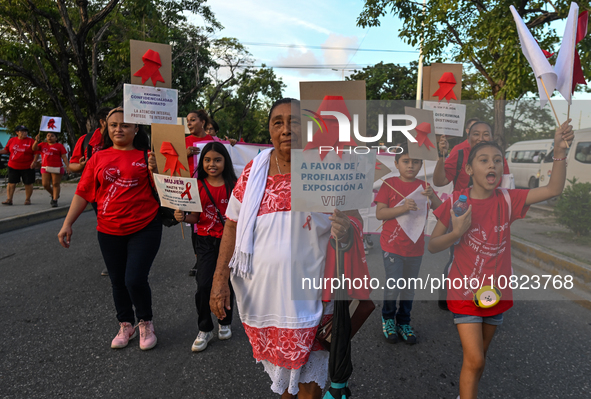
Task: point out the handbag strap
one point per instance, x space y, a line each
213 202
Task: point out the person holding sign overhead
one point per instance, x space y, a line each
256 250
129 229
216 180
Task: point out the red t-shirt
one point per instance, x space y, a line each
190 141
51 154
118 181
96 142
21 152
209 223
451 164
484 248
393 239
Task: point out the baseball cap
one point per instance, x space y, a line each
21 127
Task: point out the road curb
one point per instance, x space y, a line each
550 261
31 219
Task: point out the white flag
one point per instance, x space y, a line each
566 55
537 59
51 124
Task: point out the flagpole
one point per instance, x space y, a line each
552 105
420 70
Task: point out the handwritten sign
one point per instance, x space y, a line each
449 118
323 185
178 192
145 105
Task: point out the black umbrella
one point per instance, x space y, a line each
339 364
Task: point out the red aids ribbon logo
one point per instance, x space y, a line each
151 68
172 159
423 131
329 136
187 192
446 85
51 124
308 220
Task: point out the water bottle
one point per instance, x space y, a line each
460 207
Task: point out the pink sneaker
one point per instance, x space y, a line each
147 338
126 332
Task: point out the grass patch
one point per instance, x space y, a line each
567 236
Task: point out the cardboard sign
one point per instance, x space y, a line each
146 105
322 185
175 135
449 118
51 124
441 87
151 64
178 193
381 170
426 146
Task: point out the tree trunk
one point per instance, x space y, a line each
500 103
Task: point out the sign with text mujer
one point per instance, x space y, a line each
343 181
178 192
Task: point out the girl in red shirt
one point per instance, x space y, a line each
52 155
216 180
482 253
129 228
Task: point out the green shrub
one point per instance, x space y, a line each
574 208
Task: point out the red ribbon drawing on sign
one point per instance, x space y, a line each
330 138
308 220
151 68
578 76
187 192
446 85
172 159
423 131
51 124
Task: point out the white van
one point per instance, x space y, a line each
578 158
524 158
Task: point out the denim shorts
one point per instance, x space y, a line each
495 320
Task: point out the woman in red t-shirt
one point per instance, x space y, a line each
20 164
216 180
481 268
129 228
52 155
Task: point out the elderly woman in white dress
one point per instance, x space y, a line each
256 249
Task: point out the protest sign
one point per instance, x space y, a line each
322 185
241 154
445 83
426 145
178 192
51 124
151 64
448 118
168 143
145 105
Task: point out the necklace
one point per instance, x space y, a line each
277 162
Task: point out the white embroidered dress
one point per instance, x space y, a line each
282 330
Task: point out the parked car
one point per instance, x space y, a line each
578 158
524 159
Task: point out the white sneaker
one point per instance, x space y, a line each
201 341
225 332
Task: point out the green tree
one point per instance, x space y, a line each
480 33
388 81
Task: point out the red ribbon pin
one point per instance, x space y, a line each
423 131
308 220
187 192
172 159
151 68
51 124
446 85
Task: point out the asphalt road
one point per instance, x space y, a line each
58 319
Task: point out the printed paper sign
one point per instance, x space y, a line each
449 118
178 192
51 124
322 185
145 105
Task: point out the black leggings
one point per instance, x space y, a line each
129 259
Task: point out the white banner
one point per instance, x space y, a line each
241 154
178 193
145 105
51 124
323 185
449 118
